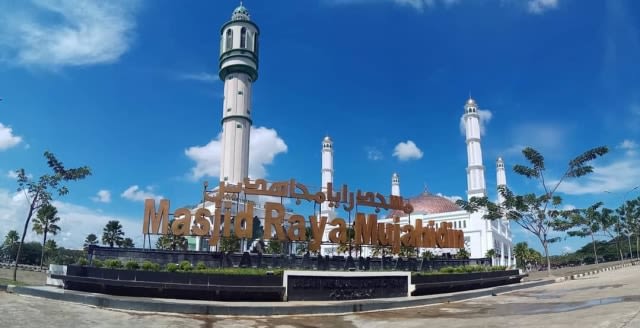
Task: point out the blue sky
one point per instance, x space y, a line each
130 88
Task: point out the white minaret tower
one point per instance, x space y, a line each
327 173
475 169
238 70
395 184
501 178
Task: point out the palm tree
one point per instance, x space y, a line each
172 242
491 254
44 223
521 252
462 254
50 248
91 239
112 233
11 238
127 243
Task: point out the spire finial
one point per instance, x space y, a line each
426 190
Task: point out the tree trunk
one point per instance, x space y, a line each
44 242
637 246
593 241
24 233
619 248
546 254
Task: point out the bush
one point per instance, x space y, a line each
82 261
150 266
97 263
201 266
172 267
132 265
113 264
185 266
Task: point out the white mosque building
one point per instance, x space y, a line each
239 69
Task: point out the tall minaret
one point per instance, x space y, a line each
501 178
475 169
327 173
395 184
238 70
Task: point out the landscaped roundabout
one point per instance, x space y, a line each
258 277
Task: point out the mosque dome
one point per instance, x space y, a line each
240 13
471 102
327 139
427 203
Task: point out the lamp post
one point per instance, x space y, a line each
624 202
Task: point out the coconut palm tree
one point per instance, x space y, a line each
112 233
45 223
91 239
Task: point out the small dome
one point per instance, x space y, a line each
240 13
471 102
500 159
326 139
427 203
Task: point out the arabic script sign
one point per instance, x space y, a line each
367 230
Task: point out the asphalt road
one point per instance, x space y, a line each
609 299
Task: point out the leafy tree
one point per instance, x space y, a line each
91 239
50 249
491 254
462 254
610 223
230 244
587 222
45 223
537 214
10 246
629 213
112 233
427 254
274 247
258 229
407 251
127 243
39 192
11 238
171 241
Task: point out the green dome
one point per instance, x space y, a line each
240 13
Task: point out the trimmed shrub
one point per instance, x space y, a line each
172 267
201 266
132 265
82 261
150 266
185 266
113 264
97 263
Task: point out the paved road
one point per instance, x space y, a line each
610 299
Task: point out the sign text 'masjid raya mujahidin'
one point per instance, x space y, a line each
367 229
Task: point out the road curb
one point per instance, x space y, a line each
594 272
261 308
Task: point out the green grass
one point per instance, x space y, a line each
11 282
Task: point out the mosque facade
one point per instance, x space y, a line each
238 68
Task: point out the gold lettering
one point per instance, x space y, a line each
366 232
226 229
338 235
244 218
297 231
317 232
202 226
156 218
181 225
395 246
276 221
217 221
385 234
407 229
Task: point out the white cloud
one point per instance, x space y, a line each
103 196
12 175
451 198
134 193
567 249
544 137
629 146
57 33
7 138
568 207
264 146
619 176
541 6
405 151
200 77
374 154
485 118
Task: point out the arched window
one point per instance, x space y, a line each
255 43
229 39
243 38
